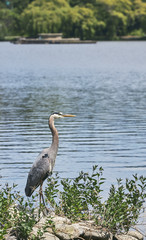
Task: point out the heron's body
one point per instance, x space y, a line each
39 171
43 165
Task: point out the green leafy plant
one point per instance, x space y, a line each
23 218
7 199
78 199
52 191
81 193
15 214
123 206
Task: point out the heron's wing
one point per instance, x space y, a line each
39 172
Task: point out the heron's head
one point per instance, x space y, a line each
61 115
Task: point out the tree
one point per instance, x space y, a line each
8 22
59 16
117 16
86 19
81 22
43 16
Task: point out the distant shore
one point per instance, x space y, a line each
23 40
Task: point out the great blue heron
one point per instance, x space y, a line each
43 165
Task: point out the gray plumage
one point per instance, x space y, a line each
40 170
43 165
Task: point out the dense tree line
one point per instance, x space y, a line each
86 19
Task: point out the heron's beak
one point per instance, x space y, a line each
68 115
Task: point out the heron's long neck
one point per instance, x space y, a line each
55 138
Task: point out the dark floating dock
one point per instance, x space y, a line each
51 38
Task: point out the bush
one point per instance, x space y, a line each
123 206
16 214
81 199
78 199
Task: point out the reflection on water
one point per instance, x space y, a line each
103 84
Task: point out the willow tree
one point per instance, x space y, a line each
115 15
43 16
81 22
139 15
8 22
86 19
59 16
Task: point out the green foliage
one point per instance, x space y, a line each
78 199
52 191
15 213
94 19
138 32
81 193
41 16
123 206
8 22
23 218
6 200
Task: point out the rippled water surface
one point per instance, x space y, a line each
104 84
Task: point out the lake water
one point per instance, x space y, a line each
103 84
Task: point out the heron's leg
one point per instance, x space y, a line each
40 194
42 197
